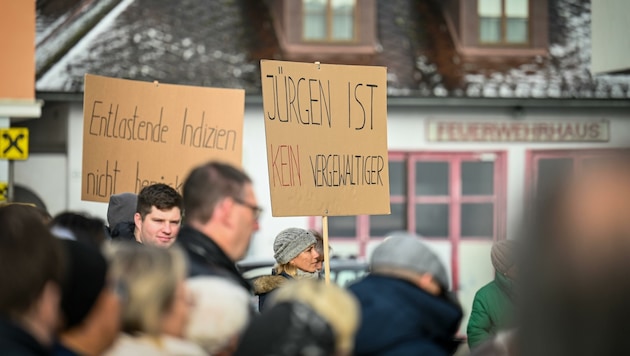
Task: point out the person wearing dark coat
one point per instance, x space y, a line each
221 214
296 257
90 303
124 231
205 257
31 259
120 212
406 308
15 340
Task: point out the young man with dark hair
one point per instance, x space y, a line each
32 265
158 215
221 216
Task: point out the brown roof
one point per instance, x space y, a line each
220 43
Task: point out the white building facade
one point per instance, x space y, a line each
461 173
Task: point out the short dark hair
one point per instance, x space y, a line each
30 257
206 185
159 195
85 229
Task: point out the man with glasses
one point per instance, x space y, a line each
221 214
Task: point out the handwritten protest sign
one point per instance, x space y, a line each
139 133
326 131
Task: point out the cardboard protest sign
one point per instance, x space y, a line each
326 131
140 133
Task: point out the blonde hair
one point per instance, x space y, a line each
333 303
287 268
150 276
220 313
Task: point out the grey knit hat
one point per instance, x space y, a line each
291 242
410 254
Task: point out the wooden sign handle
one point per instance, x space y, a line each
326 249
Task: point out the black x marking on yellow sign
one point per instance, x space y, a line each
13 142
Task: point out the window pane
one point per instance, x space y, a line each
382 225
477 220
489 8
432 220
343 19
516 30
517 8
432 178
314 19
489 29
477 178
342 226
397 178
550 171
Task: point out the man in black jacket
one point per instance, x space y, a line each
221 214
32 269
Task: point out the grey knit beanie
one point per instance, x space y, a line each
410 254
291 242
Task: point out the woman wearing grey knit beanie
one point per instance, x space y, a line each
296 257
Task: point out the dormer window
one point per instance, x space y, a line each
328 20
503 22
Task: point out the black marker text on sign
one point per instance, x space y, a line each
309 101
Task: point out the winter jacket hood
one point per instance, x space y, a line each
266 284
123 231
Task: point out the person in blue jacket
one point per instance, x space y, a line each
406 308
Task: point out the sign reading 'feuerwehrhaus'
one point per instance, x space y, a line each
518 131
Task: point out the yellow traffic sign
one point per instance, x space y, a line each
4 191
14 143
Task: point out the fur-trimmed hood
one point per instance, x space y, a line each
266 284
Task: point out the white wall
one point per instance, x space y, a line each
4 164
75 162
46 176
609 36
406 132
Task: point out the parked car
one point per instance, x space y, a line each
342 270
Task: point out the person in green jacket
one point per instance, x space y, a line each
493 304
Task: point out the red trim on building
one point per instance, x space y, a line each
453 199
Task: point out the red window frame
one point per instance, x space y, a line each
454 200
532 157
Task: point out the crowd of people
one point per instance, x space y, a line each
160 278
